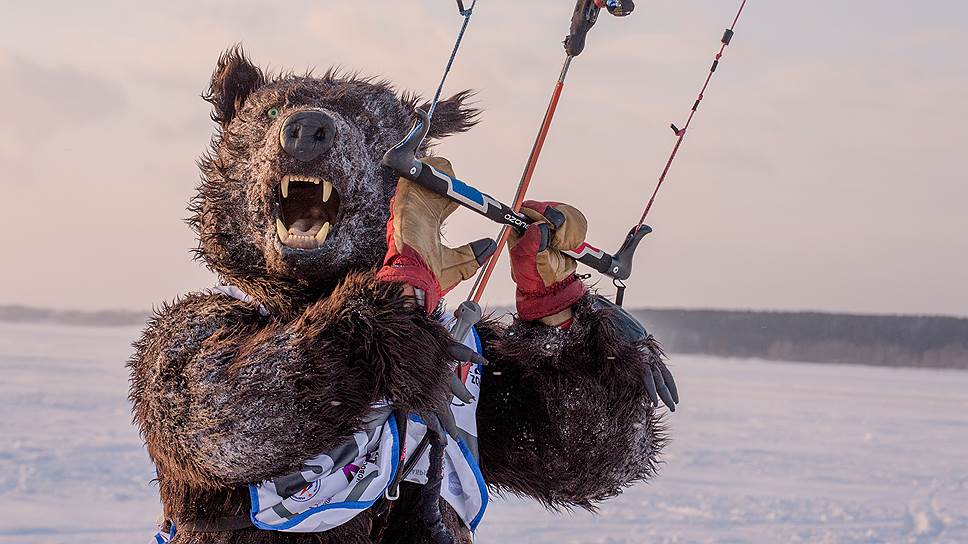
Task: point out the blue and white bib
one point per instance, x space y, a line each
334 487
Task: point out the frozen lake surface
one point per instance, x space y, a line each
761 452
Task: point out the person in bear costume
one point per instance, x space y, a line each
286 404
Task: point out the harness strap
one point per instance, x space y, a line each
430 493
393 492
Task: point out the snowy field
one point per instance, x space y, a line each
762 452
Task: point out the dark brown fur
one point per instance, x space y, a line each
563 416
226 396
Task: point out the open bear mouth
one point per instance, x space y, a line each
308 209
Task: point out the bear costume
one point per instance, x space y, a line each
309 346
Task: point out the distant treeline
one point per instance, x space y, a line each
936 342
919 341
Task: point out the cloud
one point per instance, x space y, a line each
43 102
58 94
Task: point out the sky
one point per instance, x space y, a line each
826 170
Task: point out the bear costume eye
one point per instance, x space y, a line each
272 113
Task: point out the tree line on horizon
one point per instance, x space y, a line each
814 337
899 340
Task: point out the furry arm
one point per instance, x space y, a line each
564 415
224 396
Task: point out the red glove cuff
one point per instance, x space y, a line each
408 267
556 298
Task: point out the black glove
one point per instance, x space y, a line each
659 383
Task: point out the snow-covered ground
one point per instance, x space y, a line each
762 452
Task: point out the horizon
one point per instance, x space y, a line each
821 175
448 307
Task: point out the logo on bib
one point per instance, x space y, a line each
307 493
350 471
453 484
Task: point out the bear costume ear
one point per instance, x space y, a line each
235 77
453 115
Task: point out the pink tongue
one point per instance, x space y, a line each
306 226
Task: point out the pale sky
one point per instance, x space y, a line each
826 170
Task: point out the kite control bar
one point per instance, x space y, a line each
401 158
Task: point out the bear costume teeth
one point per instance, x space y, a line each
308 210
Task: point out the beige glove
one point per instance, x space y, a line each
415 253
